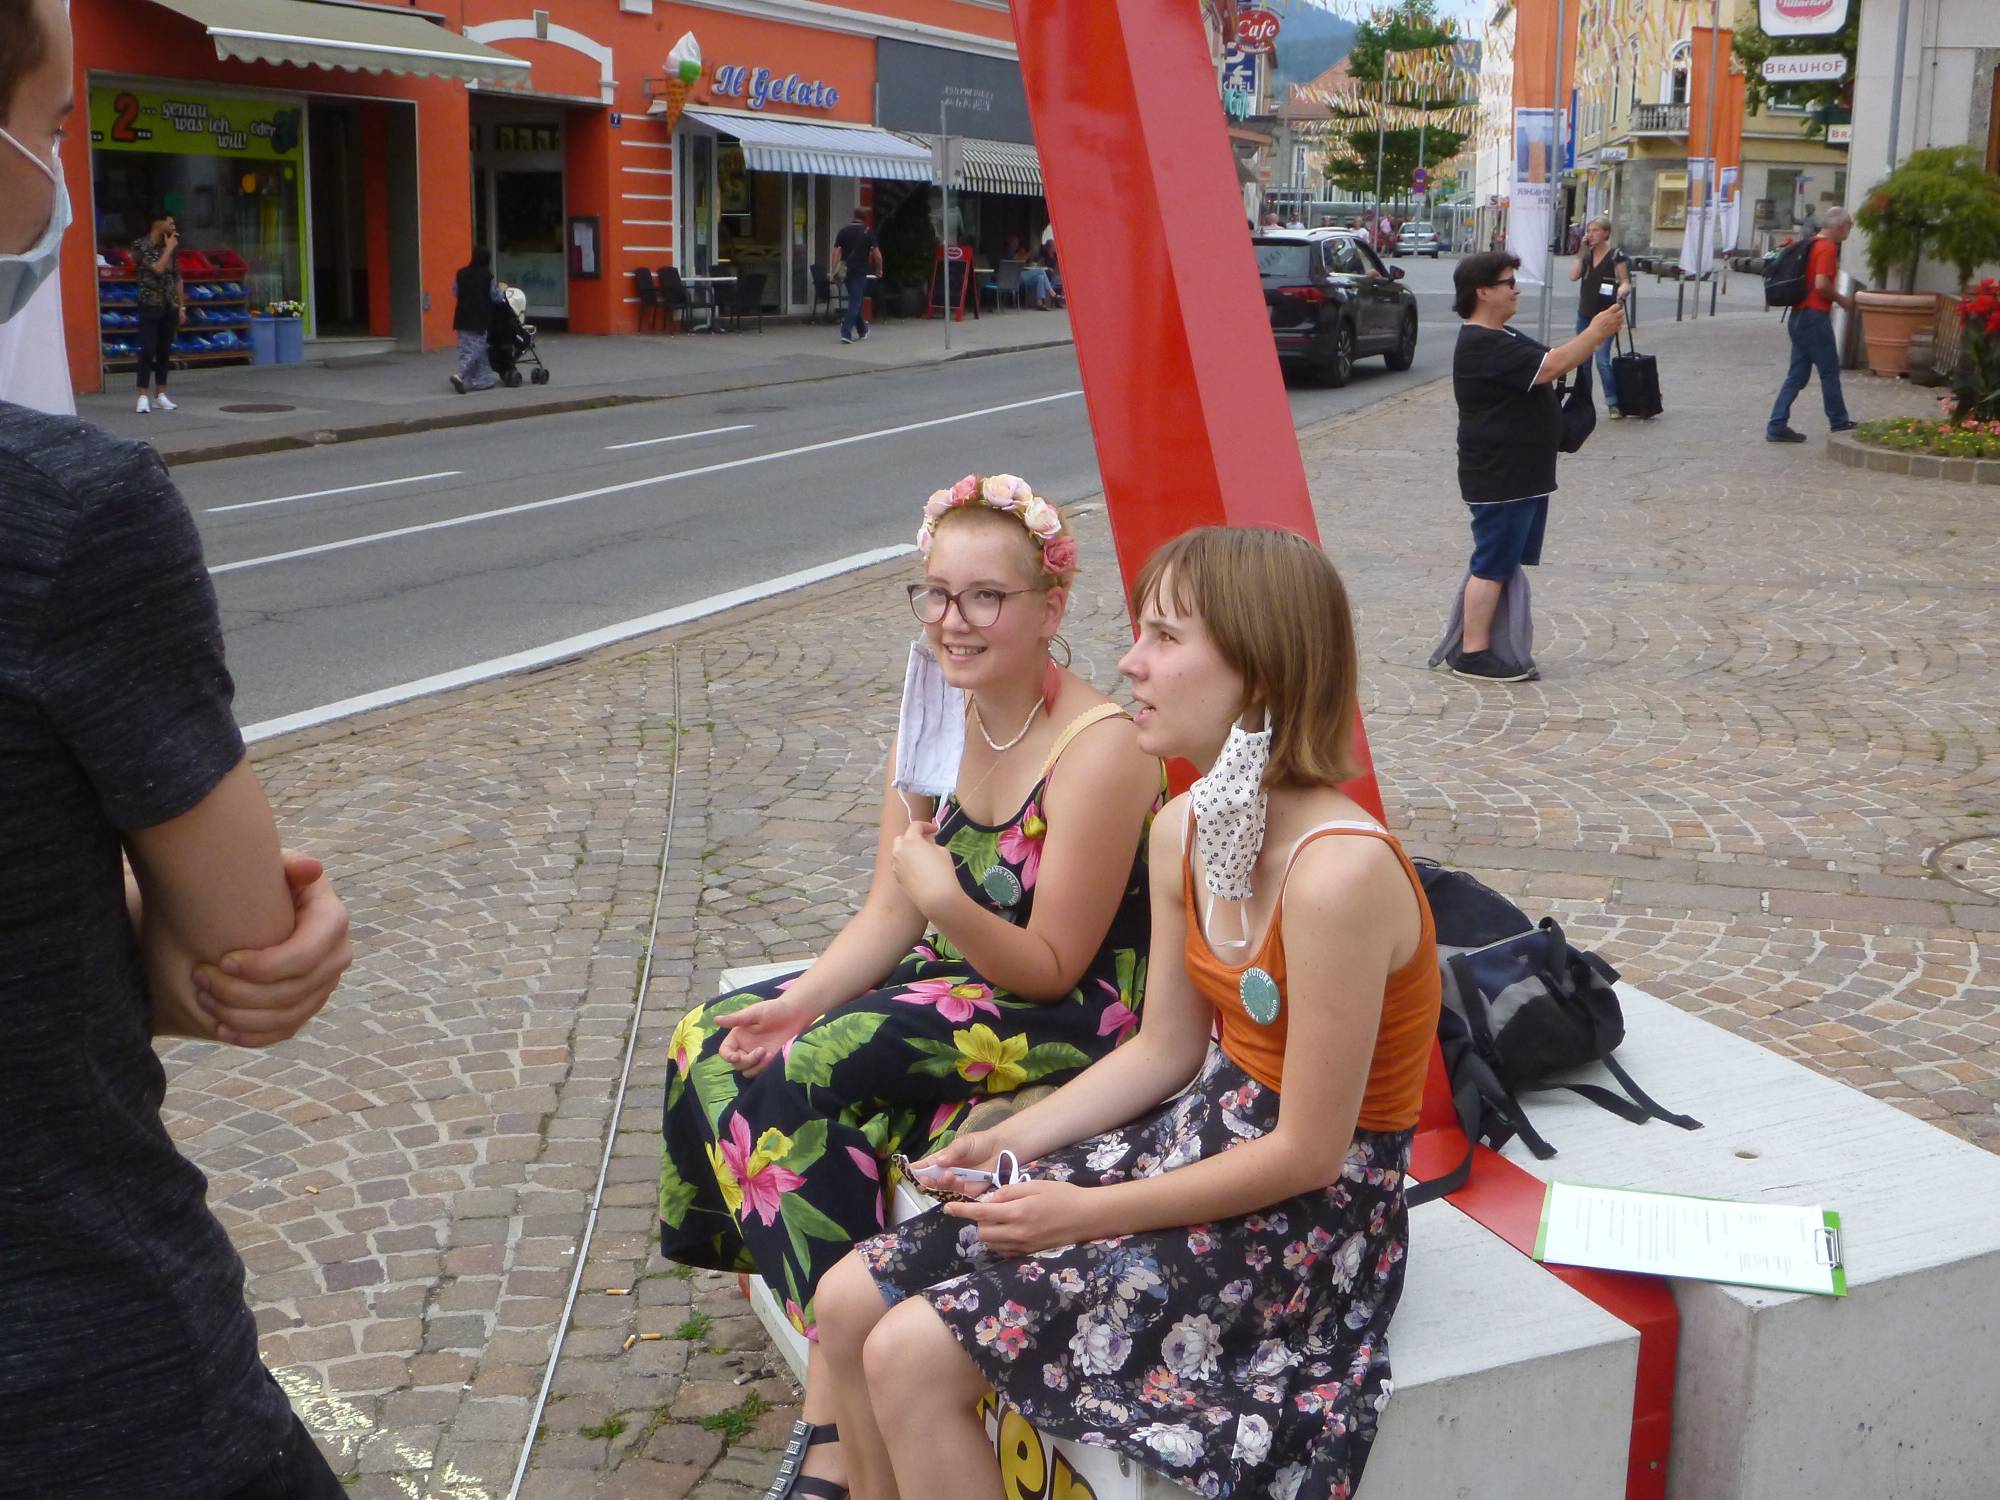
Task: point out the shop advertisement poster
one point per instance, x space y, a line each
1801 17
184 122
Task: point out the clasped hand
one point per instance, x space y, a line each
1021 1218
923 868
753 1036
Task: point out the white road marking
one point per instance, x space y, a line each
633 484
541 656
346 489
679 437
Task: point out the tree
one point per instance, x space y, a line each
1940 202
1411 26
1751 46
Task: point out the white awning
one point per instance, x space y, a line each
995 167
370 38
771 145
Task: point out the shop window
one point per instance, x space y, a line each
1670 197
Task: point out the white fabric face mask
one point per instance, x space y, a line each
21 276
1229 804
930 728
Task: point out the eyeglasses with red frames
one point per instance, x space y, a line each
979 607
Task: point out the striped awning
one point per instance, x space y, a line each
993 166
771 145
358 38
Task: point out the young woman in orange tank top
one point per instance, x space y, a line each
1200 1259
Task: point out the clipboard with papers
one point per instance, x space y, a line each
1775 1246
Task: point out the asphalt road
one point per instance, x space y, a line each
348 571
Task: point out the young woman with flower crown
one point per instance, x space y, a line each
1200 1251
1002 943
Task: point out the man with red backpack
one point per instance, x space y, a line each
1810 290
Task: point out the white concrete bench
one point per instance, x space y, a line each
1492 1355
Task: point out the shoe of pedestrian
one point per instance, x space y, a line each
1783 435
1484 666
1845 426
163 403
458 384
846 339
1616 414
864 332
143 407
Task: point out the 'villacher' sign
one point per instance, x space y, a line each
760 86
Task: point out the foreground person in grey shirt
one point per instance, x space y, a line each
128 1360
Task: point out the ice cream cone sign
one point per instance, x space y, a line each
683 71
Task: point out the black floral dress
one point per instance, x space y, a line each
780 1174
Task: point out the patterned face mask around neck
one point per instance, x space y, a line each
930 729
1229 804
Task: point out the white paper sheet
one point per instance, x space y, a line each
1707 1239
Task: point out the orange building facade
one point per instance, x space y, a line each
347 156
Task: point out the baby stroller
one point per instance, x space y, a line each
511 340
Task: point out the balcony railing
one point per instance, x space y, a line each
1660 119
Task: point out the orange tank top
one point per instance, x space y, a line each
1410 999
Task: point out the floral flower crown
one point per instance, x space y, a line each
1016 497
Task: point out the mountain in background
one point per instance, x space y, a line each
1310 41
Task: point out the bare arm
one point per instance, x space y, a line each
1829 287
1560 360
209 882
1579 265
1154 1065
1095 806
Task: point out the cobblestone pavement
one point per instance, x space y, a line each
1769 697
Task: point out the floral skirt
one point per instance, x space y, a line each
1244 1357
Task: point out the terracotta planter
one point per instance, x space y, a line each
1887 321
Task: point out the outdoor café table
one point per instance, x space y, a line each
713 325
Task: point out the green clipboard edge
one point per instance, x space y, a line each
1829 1217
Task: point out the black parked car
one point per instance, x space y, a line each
1332 302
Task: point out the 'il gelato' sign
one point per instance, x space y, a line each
760 86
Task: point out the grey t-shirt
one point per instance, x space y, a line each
128 1360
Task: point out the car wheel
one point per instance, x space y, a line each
1339 368
1405 353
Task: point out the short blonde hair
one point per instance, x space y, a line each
1276 609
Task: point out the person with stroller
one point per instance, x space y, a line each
479 294
1192 1253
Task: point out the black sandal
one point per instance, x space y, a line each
789 1481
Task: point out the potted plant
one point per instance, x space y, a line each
1939 203
277 335
908 250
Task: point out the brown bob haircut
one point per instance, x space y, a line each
1275 608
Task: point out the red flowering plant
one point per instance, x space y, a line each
1975 386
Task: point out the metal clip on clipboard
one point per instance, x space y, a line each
1826 1248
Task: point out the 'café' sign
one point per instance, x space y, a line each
1256 30
760 86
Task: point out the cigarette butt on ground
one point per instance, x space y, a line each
652 1338
312 1190
618 1291
631 1339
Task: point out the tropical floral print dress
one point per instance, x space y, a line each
780 1174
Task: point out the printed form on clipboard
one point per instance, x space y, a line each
1768 1245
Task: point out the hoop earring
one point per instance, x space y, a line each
1067 654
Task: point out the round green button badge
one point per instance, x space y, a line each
1002 885
1259 994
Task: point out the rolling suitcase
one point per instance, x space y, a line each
1637 379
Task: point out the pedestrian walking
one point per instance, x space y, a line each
1509 426
155 262
130 1361
1811 327
1172 1261
1605 275
860 258
477 291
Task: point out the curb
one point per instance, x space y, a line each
287 442
1843 448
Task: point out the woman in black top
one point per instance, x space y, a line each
158 271
1606 276
477 291
1509 423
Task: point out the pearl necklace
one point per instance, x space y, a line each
1028 724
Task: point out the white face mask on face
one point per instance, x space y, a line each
21 276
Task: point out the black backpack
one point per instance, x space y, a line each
1520 1007
1785 280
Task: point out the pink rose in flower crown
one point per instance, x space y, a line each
998 491
965 489
939 502
1059 555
